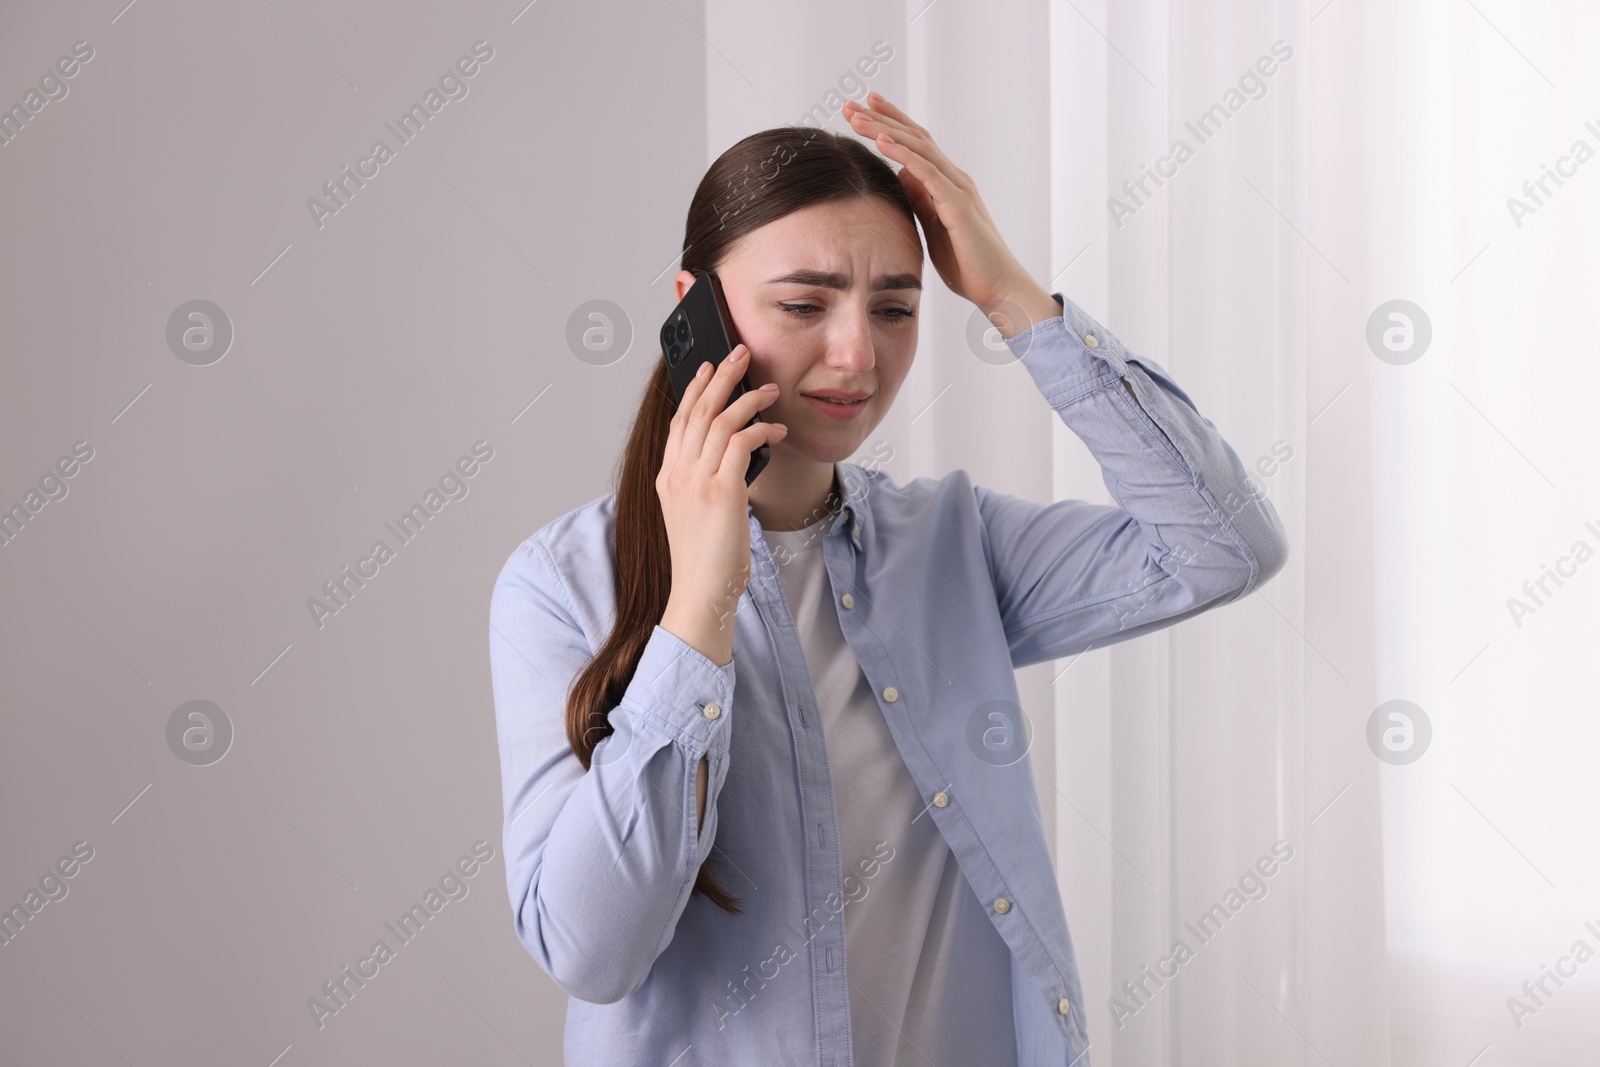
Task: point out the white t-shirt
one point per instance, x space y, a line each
915 931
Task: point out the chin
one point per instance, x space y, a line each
829 448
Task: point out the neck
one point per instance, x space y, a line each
793 491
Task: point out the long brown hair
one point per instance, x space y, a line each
761 178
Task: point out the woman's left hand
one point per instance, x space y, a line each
963 243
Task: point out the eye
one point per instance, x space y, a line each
803 311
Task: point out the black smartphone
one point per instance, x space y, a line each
700 330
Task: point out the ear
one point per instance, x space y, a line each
682 283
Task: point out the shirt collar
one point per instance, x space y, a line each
854 516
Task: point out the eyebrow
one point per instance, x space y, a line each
834 280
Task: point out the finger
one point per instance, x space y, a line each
677 426
726 424
943 193
719 387
884 120
742 445
871 124
878 107
715 388
876 103
880 103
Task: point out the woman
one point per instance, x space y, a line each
836 857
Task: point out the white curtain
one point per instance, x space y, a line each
1371 164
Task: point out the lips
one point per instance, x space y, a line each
838 405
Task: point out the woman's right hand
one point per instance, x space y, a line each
704 502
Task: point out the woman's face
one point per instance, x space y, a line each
824 298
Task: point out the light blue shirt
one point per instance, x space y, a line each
943 589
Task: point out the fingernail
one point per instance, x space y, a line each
771 387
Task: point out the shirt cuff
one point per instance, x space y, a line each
680 692
1069 356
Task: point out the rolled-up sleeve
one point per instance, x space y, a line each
1190 530
599 863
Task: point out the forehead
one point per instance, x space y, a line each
848 236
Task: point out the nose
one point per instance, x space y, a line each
850 345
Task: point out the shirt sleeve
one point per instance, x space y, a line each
1190 530
599 863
